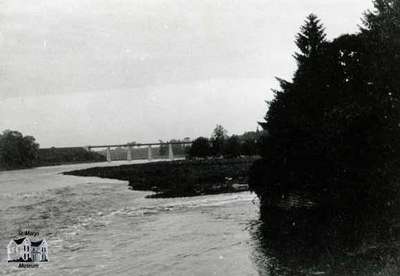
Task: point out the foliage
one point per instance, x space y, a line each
218 138
232 147
334 128
249 142
17 151
310 40
54 156
200 148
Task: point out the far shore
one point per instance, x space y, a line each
180 178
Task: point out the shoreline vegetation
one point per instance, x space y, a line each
328 176
333 127
69 157
65 156
180 178
18 151
23 152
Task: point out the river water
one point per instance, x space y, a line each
98 226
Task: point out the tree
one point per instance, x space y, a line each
295 111
310 40
333 128
381 39
17 151
200 148
232 147
217 140
292 105
380 32
249 142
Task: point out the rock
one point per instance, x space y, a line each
240 187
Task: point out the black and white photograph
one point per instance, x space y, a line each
200 137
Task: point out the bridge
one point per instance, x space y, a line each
130 147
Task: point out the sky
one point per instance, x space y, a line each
87 72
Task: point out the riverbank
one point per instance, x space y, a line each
181 177
59 156
83 219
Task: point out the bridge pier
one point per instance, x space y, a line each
170 152
129 154
108 154
131 146
149 156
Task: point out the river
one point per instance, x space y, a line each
98 226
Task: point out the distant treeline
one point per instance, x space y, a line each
18 151
56 156
219 145
222 145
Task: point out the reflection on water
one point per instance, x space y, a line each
317 243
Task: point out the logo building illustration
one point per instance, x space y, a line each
25 250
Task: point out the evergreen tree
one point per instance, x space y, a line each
334 128
381 36
307 81
381 33
310 39
293 114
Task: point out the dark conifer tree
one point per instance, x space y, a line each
381 37
291 118
310 40
334 128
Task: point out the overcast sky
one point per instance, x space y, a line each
80 72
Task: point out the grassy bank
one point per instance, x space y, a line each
180 178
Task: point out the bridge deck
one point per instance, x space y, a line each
139 145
